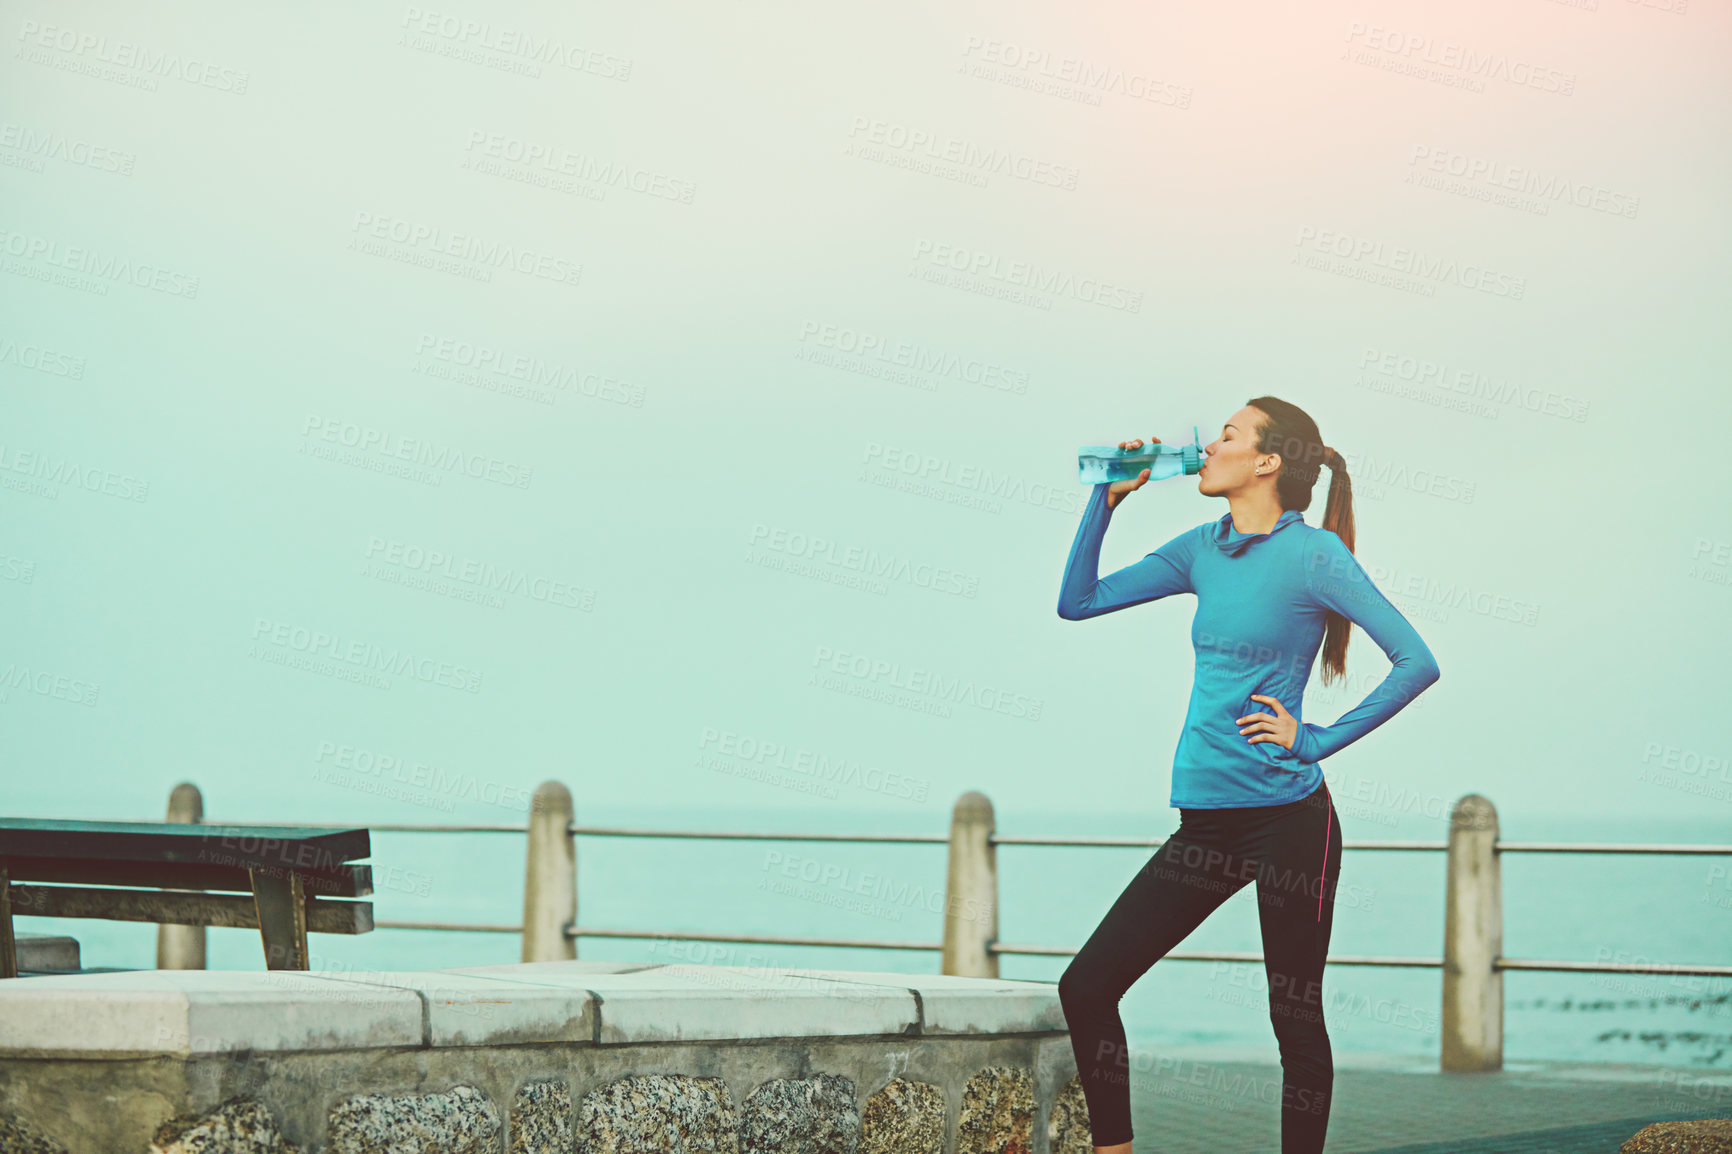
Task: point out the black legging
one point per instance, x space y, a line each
1288 850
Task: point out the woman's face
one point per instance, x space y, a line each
1230 460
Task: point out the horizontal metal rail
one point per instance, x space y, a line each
472 927
1613 967
996 839
1138 842
756 939
611 831
575 932
1601 847
1152 842
1543 964
1223 956
383 827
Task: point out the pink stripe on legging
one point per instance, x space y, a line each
1323 874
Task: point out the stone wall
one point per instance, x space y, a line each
583 1057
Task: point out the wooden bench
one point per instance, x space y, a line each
290 879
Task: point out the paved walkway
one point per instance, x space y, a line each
1217 1101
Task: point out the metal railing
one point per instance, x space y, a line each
1472 962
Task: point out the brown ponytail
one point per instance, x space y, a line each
1289 431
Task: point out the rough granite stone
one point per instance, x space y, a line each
237 1126
658 1114
20 1137
997 1112
541 1119
819 1115
1708 1136
1067 1131
904 1117
460 1121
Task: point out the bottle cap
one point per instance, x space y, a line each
1193 453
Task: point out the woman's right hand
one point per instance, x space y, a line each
1117 490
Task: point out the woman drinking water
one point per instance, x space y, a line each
1253 806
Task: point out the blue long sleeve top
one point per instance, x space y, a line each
1262 603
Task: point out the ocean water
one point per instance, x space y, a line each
1557 906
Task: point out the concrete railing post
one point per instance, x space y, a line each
1473 941
550 877
182 947
971 890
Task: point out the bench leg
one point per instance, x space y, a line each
8 943
282 909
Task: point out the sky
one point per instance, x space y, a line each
402 406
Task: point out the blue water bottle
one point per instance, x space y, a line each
1097 463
